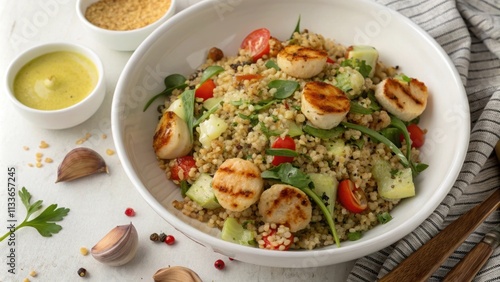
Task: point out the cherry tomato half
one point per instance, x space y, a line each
283 143
205 90
270 246
257 42
417 135
183 163
351 197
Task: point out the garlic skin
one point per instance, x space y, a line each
176 274
80 162
118 247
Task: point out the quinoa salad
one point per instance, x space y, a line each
291 144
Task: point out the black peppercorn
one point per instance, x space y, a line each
154 237
82 272
162 238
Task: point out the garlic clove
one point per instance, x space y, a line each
80 162
118 247
176 274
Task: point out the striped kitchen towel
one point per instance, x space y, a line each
469 31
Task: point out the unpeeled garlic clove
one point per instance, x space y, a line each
118 247
176 274
80 162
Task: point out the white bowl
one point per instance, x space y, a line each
181 44
66 117
127 40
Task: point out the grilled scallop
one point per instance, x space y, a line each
285 204
237 184
323 104
405 100
171 139
301 62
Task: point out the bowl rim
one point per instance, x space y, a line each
147 28
214 243
47 48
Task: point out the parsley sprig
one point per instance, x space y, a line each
44 221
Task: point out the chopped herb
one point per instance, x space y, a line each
44 221
297 28
394 172
272 65
237 103
172 82
254 119
282 152
374 105
353 236
184 185
383 218
284 88
266 131
403 78
324 133
206 115
357 108
359 65
263 105
358 142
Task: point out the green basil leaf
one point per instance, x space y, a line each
284 88
188 103
206 114
184 185
263 105
288 174
210 72
172 82
419 167
393 134
324 134
281 152
272 65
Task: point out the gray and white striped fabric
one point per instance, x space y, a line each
469 31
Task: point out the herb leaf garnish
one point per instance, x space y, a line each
172 82
44 222
284 88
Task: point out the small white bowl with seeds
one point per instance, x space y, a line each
123 25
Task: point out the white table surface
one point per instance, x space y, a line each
98 202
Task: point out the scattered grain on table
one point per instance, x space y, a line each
83 139
43 145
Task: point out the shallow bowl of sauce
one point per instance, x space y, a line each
56 85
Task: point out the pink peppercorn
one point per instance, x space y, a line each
129 212
170 240
219 264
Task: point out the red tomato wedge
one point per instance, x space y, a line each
283 143
417 135
268 245
351 197
257 43
183 163
206 90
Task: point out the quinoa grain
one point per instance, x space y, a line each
125 14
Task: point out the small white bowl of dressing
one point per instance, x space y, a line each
56 85
123 25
